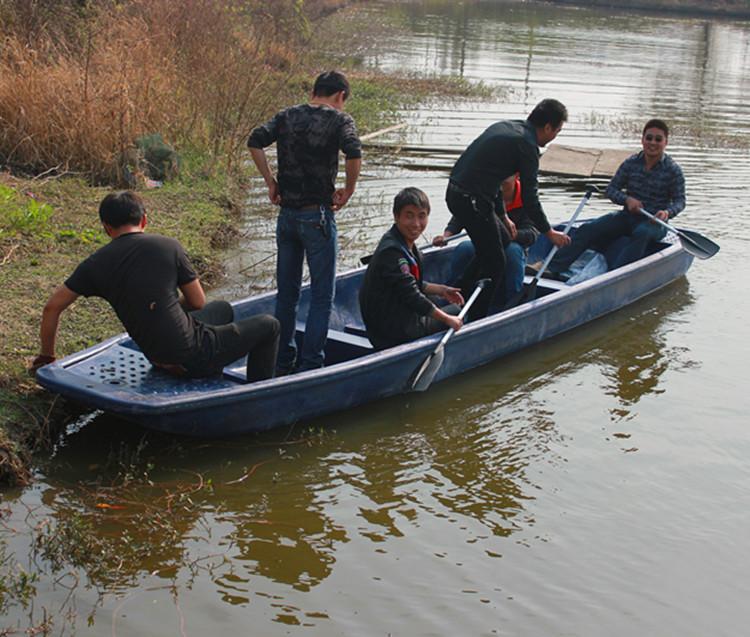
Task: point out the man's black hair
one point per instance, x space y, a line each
656 123
124 208
548 111
330 83
410 196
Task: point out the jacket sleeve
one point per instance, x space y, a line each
617 185
678 193
394 269
529 170
454 226
526 232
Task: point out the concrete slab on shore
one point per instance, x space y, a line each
557 159
581 162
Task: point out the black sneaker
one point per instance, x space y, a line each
532 269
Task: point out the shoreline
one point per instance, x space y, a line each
203 207
731 9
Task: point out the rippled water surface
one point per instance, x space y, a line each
596 484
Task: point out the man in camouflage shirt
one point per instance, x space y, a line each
308 140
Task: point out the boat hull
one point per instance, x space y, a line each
115 377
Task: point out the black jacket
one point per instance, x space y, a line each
392 298
527 233
504 148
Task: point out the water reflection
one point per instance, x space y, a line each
281 507
634 361
490 499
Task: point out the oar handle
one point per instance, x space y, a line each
655 218
566 230
481 284
453 237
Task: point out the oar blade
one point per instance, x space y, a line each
426 373
697 245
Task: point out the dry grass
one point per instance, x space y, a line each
195 70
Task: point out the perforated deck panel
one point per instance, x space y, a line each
129 370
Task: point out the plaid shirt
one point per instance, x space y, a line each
661 188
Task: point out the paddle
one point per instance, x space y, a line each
366 259
427 370
529 293
691 241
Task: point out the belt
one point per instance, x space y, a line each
311 207
454 187
460 190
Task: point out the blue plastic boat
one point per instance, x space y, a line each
114 376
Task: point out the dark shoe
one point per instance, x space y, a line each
283 371
555 276
532 269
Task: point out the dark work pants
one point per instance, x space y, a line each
422 326
599 232
489 238
256 336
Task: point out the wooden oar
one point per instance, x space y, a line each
691 241
529 293
366 259
427 370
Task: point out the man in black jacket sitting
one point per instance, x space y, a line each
394 297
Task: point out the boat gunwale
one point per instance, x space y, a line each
130 403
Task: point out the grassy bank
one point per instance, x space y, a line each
37 255
80 82
48 202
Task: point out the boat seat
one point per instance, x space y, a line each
356 330
340 346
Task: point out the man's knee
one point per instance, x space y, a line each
215 313
514 253
649 231
258 327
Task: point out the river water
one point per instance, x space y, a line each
596 484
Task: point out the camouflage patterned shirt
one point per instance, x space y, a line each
308 140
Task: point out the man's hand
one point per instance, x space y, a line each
441 239
559 239
662 214
452 295
340 198
40 361
512 230
273 192
633 205
453 322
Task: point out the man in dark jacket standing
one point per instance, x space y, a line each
308 139
475 199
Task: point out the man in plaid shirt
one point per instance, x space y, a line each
651 180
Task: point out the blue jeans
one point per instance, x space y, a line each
602 231
300 233
515 263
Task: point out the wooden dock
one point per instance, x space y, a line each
572 161
557 159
